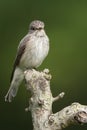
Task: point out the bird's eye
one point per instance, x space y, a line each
32 28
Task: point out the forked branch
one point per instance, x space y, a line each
40 104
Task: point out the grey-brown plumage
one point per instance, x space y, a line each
31 52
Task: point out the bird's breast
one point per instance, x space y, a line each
35 52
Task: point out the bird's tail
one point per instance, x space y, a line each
16 81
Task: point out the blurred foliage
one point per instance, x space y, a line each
66 26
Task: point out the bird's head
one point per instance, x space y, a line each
36 25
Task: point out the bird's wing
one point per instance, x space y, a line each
21 49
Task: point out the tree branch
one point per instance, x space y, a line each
40 104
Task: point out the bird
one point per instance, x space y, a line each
31 52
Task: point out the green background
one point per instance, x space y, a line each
66 26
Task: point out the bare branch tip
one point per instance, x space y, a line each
61 95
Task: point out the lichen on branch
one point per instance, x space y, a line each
40 104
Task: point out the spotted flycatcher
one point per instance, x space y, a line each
32 50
